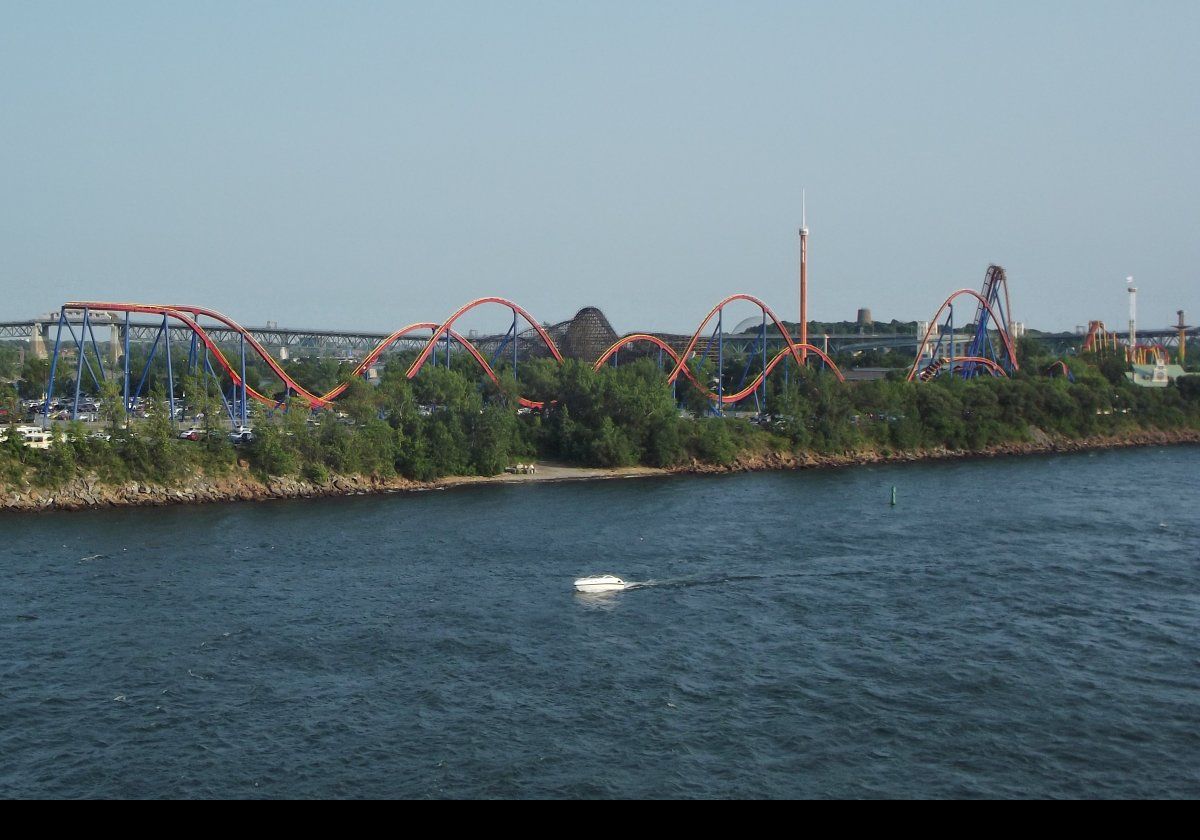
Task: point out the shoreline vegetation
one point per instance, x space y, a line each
88 493
443 429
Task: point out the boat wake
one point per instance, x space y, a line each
718 580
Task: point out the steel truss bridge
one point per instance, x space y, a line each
351 343
322 342
345 343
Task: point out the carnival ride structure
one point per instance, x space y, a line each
1099 340
206 358
1059 368
985 353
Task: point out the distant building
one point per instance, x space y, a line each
1154 376
866 374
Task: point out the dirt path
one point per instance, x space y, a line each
549 471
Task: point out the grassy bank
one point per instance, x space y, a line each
404 433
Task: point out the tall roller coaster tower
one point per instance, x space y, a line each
1132 319
803 278
1183 328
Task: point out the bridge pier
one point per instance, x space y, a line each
37 342
116 343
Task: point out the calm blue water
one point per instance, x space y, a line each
1022 627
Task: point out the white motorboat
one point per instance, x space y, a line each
600 583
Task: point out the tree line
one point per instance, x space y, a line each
445 422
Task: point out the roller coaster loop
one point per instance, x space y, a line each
236 406
985 306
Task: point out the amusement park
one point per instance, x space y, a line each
101 368
451 401
724 365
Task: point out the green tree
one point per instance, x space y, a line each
359 401
270 453
112 405
711 441
35 374
10 361
10 405
940 411
492 437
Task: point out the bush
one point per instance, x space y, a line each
445 423
315 473
711 441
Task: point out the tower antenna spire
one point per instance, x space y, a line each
1132 319
803 276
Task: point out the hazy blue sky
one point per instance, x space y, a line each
370 164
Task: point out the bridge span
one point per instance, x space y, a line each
584 336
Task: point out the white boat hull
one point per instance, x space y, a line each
600 583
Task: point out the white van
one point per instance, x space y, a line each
35 437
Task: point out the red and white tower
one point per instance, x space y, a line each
803 278
1132 319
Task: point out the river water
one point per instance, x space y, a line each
1024 627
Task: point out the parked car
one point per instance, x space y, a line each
191 434
241 434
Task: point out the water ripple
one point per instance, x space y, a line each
789 635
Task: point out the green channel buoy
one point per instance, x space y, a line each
893 495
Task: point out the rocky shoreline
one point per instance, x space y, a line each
1042 444
87 493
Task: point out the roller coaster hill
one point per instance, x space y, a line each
153 347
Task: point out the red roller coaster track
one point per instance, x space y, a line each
1060 366
934 322
189 317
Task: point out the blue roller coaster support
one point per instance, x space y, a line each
146 369
166 328
951 370
79 362
99 358
210 372
245 409
62 317
763 336
510 335
720 406
125 350
191 362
